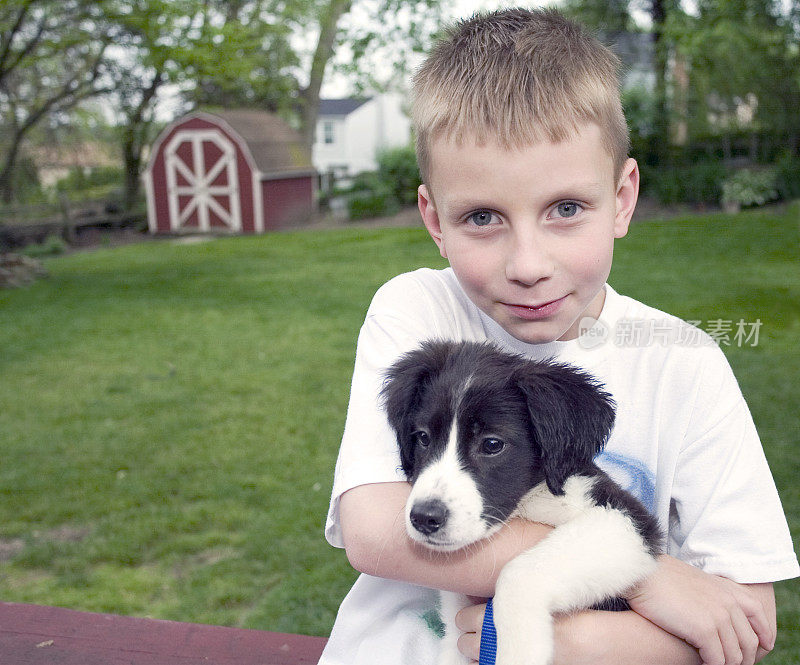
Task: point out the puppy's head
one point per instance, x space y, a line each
478 428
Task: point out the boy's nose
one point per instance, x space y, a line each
527 260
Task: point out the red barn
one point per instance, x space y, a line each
237 171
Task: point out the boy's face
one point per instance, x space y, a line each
530 232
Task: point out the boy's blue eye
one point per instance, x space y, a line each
481 218
567 209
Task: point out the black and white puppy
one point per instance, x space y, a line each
485 436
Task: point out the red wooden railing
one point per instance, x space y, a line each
37 635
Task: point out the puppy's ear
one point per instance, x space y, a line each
571 417
405 384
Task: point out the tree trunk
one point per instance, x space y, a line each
309 109
7 171
132 160
658 13
133 142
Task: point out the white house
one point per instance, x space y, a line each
350 132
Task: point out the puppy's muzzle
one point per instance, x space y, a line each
429 516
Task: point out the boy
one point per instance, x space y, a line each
522 147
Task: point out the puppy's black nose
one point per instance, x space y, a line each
428 517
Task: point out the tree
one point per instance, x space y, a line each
220 52
743 61
714 64
37 38
257 34
330 16
609 17
359 37
613 17
399 25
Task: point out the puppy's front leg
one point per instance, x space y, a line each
451 604
524 624
595 556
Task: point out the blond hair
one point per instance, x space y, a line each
518 77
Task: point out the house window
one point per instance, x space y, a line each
328 132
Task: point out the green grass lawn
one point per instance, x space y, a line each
170 414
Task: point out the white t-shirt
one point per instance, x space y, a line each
683 442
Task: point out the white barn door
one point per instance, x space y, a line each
202 182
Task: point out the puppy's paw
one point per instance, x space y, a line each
524 639
523 623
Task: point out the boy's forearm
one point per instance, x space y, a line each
376 542
620 638
617 638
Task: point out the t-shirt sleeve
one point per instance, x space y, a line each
395 324
726 516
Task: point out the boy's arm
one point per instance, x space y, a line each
678 606
722 619
376 542
592 637
599 638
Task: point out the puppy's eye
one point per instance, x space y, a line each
421 439
492 446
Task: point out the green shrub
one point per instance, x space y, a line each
639 106
371 204
397 168
747 188
787 177
366 181
383 192
51 246
77 179
691 183
370 196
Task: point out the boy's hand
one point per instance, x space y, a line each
570 648
724 620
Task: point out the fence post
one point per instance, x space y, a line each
68 230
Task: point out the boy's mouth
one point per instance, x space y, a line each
535 312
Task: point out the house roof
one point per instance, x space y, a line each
275 146
340 106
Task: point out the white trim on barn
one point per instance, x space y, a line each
150 196
147 176
258 202
204 196
211 118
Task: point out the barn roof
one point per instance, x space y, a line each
275 146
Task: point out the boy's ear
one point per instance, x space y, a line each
627 195
427 208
